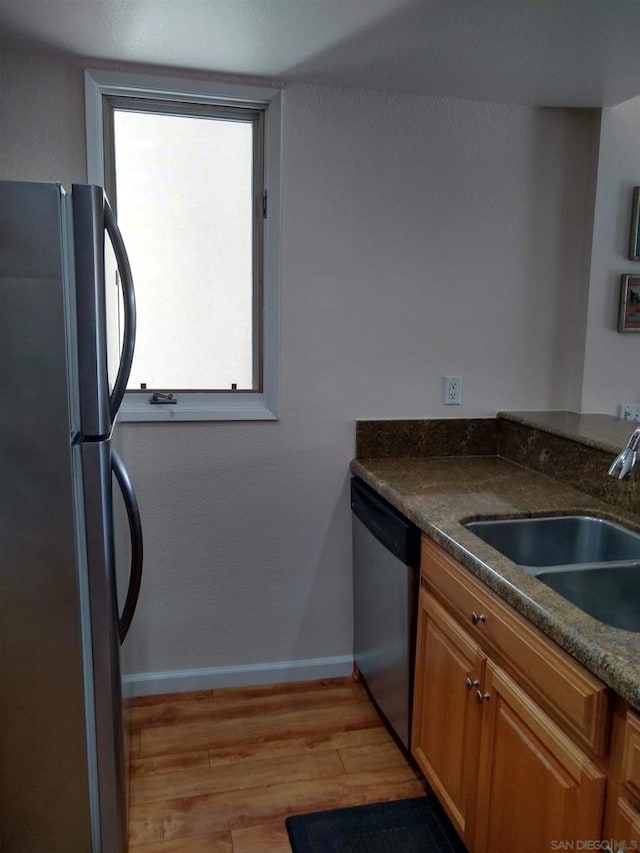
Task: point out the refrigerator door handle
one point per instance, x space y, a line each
129 300
135 531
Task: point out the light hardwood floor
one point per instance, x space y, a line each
218 771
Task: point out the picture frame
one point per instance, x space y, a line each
629 319
634 235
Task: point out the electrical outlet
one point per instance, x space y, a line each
452 390
630 411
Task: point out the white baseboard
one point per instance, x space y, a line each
246 675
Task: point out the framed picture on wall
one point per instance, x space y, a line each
634 236
629 304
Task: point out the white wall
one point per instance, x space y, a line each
41 120
612 360
420 237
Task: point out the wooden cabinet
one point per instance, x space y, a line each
446 719
506 728
573 697
625 828
622 822
535 786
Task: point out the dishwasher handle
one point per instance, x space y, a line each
399 536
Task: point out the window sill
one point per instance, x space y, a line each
199 407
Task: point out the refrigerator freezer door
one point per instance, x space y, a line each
91 333
93 219
129 306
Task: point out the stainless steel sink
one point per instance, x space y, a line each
608 593
569 540
592 562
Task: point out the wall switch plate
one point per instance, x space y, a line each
630 411
452 390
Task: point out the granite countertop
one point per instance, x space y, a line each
602 432
440 493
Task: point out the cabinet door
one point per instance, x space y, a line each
446 712
536 789
626 828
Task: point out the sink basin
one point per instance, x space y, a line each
609 593
569 540
592 562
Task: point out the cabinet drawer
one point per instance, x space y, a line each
631 759
564 688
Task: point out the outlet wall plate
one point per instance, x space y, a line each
452 390
630 411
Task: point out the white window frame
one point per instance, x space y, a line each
214 405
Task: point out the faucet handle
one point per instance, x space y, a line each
624 463
634 439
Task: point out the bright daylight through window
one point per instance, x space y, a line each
184 194
193 179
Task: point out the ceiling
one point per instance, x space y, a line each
581 53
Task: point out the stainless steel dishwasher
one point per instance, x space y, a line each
386 556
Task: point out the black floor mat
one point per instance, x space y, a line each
417 825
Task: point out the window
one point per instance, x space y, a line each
193 173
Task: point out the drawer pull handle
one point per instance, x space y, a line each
478 617
469 683
482 697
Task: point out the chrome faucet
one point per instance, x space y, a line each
624 463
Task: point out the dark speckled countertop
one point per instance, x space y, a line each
440 493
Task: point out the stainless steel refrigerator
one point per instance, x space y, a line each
62 735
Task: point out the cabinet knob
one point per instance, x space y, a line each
478 617
482 697
469 683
